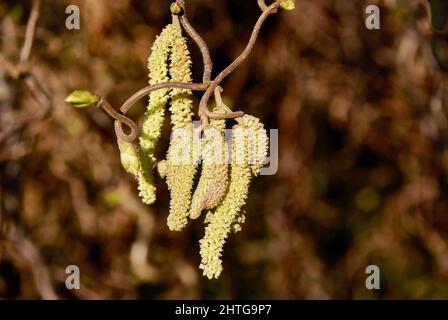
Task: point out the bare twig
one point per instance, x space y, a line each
29 33
39 93
13 70
208 64
208 86
30 252
204 112
262 5
175 85
121 118
21 71
42 98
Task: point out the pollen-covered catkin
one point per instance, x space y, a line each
154 116
228 216
214 179
181 165
220 222
257 141
180 71
180 170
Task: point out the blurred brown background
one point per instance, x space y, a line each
363 156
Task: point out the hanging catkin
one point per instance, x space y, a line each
214 179
181 165
228 214
154 116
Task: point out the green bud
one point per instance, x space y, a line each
81 99
175 8
288 5
129 157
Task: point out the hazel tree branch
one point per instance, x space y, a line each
204 112
262 5
42 98
172 85
210 87
121 119
13 70
29 33
208 64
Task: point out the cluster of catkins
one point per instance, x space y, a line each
225 172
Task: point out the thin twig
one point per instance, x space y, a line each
21 71
204 112
147 90
10 68
41 274
121 118
42 98
39 93
29 33
208 64
207 86
262 5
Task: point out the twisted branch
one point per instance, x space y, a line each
204 112
207 60
121 119
29 33
262 5
210 87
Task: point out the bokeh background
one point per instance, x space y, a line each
363 157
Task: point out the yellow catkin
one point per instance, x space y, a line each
154 116
257 140
180 171
228 216
220 222
180 71
181 165
214 179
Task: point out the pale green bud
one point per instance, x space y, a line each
175 8
288 5
81 99
129 157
